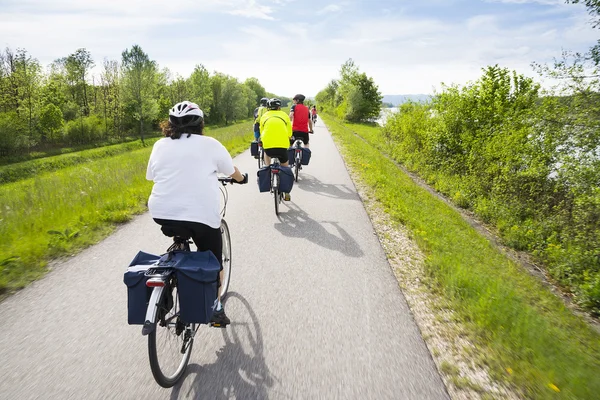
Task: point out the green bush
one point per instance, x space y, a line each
495 147
84 130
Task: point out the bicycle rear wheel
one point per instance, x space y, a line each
226 259
276 197
170 342
296 169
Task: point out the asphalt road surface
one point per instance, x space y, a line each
316 311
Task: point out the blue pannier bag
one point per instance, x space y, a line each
264 179
138 294
305 155
286 179
291 155
197 276
254 149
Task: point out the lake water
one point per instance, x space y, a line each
385 112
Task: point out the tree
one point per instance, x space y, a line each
111 97
354 97
139 83
78 65
257 88
51 122
200 88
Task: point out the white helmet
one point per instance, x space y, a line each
185 114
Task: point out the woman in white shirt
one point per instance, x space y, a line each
184 167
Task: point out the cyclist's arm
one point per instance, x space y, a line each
292 113
289 129
237 175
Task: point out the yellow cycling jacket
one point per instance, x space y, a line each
261 111
275 129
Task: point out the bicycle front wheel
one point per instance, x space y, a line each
170 342
226 239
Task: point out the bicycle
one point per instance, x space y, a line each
277 195
177 339
314 118
297 146
261 154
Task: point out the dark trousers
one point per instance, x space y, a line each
205 238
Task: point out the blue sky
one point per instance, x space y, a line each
291 46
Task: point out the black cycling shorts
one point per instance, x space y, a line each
278 152
301 135
205 237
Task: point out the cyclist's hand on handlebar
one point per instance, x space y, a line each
245 180
310 132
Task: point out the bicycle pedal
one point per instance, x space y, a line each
217 325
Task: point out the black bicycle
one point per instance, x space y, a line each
170 340
277 194
297 146
261 155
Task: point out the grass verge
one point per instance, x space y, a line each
531 339
58 213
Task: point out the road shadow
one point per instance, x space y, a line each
311 184
240 370
297 223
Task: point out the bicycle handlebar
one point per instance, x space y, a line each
227 179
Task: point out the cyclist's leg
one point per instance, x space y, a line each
303 136
256 132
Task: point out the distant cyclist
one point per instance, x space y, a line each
258 113
301 121
313 112
184 167
275 133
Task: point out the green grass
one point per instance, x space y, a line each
57 213
30 168
514 317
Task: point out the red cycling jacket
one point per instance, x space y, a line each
301 117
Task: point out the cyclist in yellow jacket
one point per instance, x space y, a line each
275 133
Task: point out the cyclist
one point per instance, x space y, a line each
184 167
301 121
275 133
313 111
258 113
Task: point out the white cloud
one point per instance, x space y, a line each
331 8
404 53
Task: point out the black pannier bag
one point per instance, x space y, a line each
254 149
305 155
264 179
197 276
138 294
286 179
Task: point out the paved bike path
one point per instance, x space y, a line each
316 310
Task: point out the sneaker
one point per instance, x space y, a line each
287 197
219 319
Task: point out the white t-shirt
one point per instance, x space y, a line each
184 172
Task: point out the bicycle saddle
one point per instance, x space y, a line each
178 231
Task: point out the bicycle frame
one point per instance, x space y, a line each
159 278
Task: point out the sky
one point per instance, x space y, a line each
298 46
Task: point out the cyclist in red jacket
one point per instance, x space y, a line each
301 122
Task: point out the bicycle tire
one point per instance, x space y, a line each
162 377
226 239
296 169
259 157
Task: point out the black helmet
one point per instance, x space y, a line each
264 101
299 98
274 104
